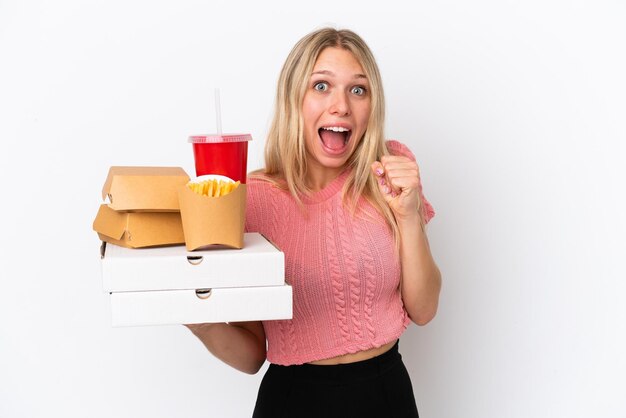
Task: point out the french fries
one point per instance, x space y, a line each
213 187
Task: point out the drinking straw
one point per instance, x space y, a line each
218 114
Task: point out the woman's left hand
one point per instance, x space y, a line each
398 179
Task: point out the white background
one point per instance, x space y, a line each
515 110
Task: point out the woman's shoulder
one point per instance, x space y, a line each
265 202
260 182
257 180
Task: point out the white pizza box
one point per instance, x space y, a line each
170 307
258 263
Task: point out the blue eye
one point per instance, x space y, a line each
358 90
321 86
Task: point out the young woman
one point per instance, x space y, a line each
346 208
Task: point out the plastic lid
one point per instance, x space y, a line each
214 138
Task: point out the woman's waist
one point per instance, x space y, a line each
300 342
344 372
355 357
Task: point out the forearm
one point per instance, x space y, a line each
421 279
240 345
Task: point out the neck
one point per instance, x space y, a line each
318 179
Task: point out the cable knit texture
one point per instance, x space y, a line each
343 269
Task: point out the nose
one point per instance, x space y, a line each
340 104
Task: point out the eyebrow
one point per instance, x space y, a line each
326 72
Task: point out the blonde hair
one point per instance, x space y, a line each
285 152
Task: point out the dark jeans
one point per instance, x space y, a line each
379 388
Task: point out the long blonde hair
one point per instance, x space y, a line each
285 152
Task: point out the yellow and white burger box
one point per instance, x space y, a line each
169 285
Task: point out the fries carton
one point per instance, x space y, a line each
143 189
209 220
138 229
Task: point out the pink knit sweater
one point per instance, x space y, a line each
343 270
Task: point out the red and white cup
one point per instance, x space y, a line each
223 154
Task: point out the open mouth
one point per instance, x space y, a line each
335 138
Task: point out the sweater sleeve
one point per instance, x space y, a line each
253 206
263 210
397 148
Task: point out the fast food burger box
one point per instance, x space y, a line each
142 209
143 189
211 220
138 229
170 285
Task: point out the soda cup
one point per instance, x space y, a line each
223 154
